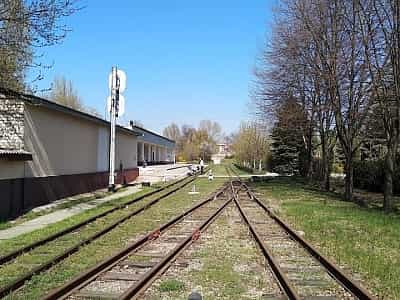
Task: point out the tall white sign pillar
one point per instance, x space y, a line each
116 107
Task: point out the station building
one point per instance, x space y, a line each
49 151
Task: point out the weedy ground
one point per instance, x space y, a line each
225 263
362 240
220 170
106 245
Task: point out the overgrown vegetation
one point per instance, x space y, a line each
361 240
370 175
220 170
107 244
223 264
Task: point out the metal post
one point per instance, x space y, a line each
114 99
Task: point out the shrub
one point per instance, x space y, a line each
369 175
337 168
243 168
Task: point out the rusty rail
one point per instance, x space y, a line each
283 280
341 277
14 254
334 271
20 281
76 283
150 276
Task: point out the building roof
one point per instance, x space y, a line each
34 100
138 128
15 155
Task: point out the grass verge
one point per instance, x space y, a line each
57 205
9 245
364 241
110 242
219 170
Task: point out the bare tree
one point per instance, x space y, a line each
26 26
172 132
283 72
64 93
381 39
345 70
212 128
250 145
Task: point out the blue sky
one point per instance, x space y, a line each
185 60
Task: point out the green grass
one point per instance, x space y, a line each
171 285
25 239
67 204
5 225
107 244
362 240
219 170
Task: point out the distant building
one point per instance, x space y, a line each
49 151
223 151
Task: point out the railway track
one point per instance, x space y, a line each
48 260
129 272
295 268
302 272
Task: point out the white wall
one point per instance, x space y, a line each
11 169
64 144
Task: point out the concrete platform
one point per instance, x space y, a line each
162 173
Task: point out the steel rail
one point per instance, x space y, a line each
81 280
150 276
18 282
339 275
283 280
14 254
334 271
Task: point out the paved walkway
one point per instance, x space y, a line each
59 215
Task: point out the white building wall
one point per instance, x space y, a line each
63 144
